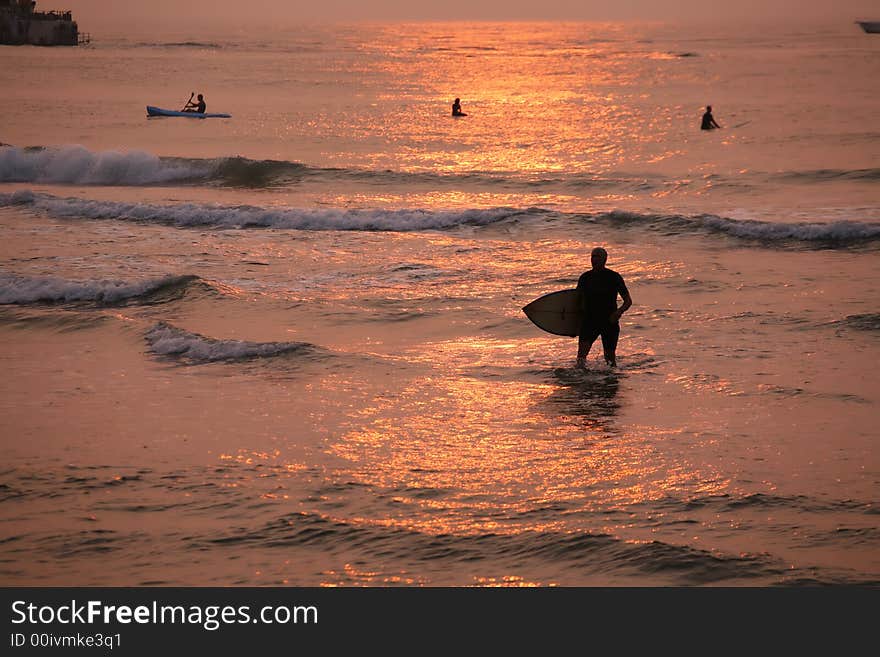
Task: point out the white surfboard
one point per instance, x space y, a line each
556 313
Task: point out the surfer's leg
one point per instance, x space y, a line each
610 335
586 339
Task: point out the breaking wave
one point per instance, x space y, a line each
46 289
864 322
167 340
75 164
815 234
832 233
190 214
78 165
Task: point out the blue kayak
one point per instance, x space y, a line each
158 111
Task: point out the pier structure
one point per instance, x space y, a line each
22 24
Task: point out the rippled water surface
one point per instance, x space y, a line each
288 347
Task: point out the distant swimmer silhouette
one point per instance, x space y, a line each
195 107
709 120
456 108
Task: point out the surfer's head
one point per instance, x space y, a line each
199 96
598 257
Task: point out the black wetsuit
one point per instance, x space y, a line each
599 289
708 122
200 108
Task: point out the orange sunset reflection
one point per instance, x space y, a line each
529 110
465 455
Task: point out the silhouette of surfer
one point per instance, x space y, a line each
597 297
456 108
195 107
709 120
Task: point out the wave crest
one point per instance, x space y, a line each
190 214
814 233
832 234
78 165
167 340
16 289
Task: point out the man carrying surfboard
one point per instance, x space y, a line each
597 296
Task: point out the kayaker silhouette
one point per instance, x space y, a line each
195 107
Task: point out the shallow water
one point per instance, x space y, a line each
288 348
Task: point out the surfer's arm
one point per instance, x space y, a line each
627 302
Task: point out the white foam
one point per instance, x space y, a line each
167 340
78 165
34 289
208 215
835 231
751 229
190 214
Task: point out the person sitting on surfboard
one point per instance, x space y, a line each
598 290
456 108
195 107
708 120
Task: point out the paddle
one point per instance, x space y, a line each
189 101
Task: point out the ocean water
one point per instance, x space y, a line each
287 348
